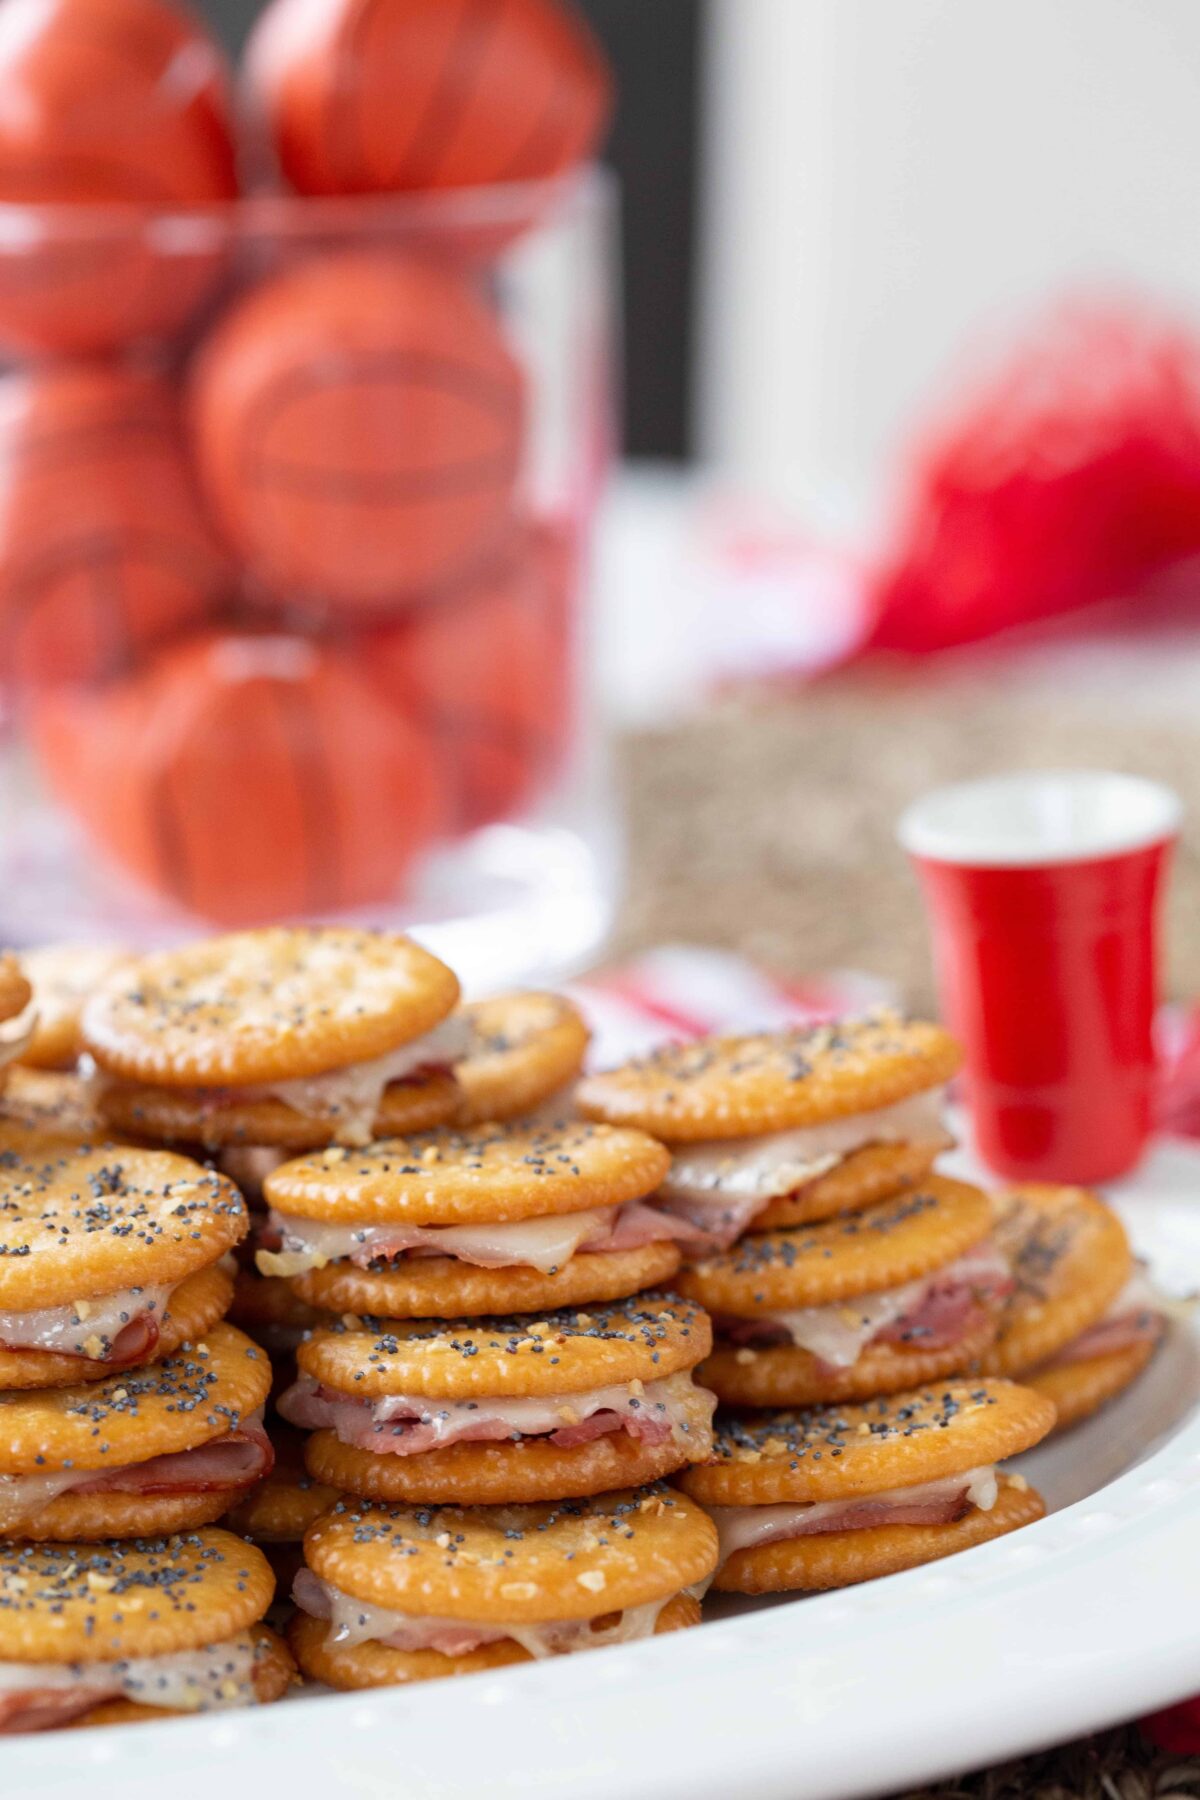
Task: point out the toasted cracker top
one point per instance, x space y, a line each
201 1392
269 1005
77 1221
148 1597
883 1246
575 1559
835 1452
523 1049
647 1338
491 1172
731 1087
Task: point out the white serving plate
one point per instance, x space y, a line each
1087 1618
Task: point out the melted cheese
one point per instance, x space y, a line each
545 1243
190 1680
22 1497
745 1527
838 1334
85 1328
350 1097
676 1403
760 1169
354 1621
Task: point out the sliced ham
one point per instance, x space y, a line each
119 1329
540 1243
931 1503
406 1425
39 1696
234 1461
353 1621
934 1311
719 1188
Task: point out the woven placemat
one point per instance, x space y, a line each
767 826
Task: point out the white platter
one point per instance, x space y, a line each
1087 1618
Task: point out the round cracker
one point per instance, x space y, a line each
523 1049
731 1087
862 1179
77 1222
835 1559
867 1252
524 1472
442 1287
786 1375
492 1172
15 991
829 1453
67 1602
528 1564
374 1665
557 1353
270 1005
1070 1257
63 978
1079 1389
280 1509
194 1308
54 1103
101 1518
198 1394
222 1121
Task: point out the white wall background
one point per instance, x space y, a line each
885 177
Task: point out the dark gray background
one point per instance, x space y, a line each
655 47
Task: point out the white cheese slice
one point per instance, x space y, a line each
762 1168
540 1243
838 1334
189 1681
350 1097
85 1328
353 1621
745 1527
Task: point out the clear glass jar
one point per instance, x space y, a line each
295 504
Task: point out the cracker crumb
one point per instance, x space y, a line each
518 1590
593 1580
745 1355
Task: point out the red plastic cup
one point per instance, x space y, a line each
1042 892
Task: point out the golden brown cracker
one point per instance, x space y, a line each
270 1005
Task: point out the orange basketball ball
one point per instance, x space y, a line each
103 546
489 672
246 778
125 103
358 424
387 96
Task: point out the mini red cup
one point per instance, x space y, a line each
1042 893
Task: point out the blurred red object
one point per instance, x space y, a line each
103 547
488 673
246 778
392 98
1067 475
1175 1730
358 427
125 103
